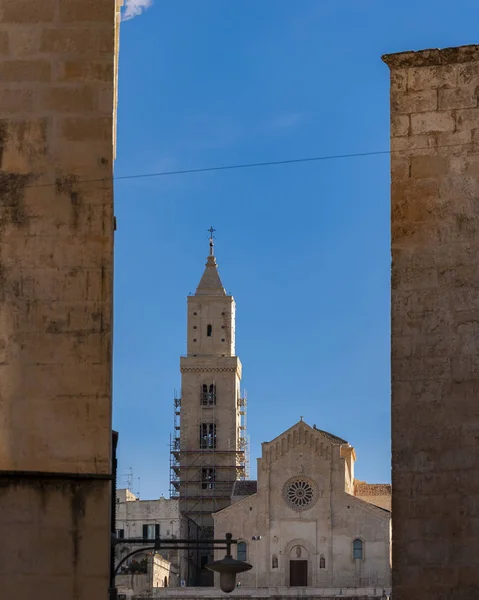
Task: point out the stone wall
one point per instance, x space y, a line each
278 593
435 322
159 572
57 65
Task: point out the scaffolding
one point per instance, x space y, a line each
202 478
175 448
186 465
243 439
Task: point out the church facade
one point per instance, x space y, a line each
306 521
301 523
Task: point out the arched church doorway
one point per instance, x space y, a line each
298 566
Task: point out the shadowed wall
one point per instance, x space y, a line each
58 64
435 323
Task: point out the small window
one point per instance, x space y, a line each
204 562
208 394
241 553
322 562
120 534
222 326
194 339
207 435
209 330
358 549
151 531
222 339
208 477
223 314
195 314
194 326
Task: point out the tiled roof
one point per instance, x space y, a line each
372 489
334 439
244 488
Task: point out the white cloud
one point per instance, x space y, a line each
133 8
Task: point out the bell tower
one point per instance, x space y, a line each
209 450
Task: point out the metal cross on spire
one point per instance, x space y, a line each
212 237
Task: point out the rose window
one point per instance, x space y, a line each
299 493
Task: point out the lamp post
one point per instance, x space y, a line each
256 538
228 567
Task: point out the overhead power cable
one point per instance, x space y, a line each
270 163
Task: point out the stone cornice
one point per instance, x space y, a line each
432 57
207 369
210 364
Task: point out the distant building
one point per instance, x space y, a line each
144 576
150 519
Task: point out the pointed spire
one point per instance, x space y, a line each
210 283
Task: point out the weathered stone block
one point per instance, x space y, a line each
81 41
467 74
399 79
24 41
457 98
25 71
4 45
426 78
420 144
400 166
399 125
25 11
424 167
15 101
86 10
467 119
105 101
80 129
453 142
78 99
429 122
414 102
87 71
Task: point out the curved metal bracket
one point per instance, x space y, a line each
137 551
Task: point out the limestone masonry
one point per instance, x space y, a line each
58 60
435 322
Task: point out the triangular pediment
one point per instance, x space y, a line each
301 433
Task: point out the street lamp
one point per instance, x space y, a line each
228 568
256 538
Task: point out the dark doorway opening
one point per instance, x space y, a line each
298 573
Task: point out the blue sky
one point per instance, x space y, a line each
304 248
